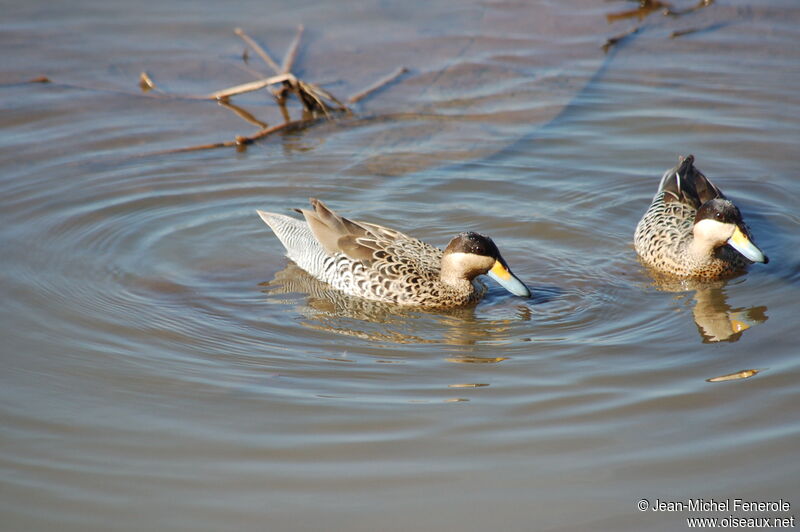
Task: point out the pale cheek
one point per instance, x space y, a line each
713 231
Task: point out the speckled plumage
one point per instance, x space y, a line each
373 262
665 238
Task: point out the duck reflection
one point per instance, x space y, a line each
716 320
328 309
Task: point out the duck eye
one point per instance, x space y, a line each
718 215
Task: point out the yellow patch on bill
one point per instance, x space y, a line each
500 271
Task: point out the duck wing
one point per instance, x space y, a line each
362 241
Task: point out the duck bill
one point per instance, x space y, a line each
507 279
743 245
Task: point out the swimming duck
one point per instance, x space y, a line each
692 230
381 264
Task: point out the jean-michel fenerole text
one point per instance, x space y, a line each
720 505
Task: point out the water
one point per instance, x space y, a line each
166 368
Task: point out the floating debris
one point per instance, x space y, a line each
689 31
744 374
318 104
468 385
146 83
475 360
337 359
647 7
700 5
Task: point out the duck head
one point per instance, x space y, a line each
719 222
471 254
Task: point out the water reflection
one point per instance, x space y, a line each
716 320
327 309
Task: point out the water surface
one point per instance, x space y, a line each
166 368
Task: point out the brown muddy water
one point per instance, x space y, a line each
164 367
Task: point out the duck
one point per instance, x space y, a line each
381 264
691 230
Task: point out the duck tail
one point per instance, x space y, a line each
294 234
685 183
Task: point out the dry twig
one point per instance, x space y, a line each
316 101
688 31
249 87
291 54
258 49
646 7
377 85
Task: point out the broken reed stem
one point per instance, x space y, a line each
250 86
377 85
291 54
311 103
259 50
319 90
314 98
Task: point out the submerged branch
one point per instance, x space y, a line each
241 141
294 125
